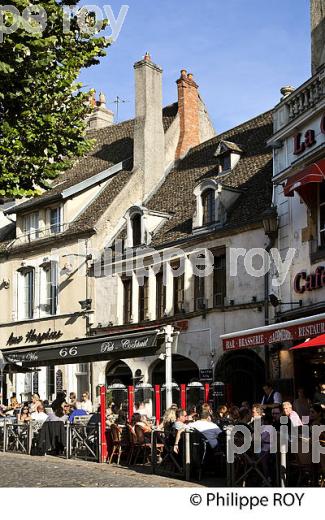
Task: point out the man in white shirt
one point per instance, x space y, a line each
40 414
208 429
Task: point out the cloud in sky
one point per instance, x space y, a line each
240 51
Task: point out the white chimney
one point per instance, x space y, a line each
101 116
149 138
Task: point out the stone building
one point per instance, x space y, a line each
158 190
298 143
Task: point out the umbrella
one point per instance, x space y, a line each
317 342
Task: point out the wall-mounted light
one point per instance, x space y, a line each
5 284
85 304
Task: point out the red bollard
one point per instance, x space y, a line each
130 402
183 397
103 424
206 392
157 404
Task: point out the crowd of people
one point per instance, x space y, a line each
61 409
211 424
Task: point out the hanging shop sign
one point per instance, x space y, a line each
101 347
284 332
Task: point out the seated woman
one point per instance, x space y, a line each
141 422
24 415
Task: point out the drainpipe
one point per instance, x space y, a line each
270 223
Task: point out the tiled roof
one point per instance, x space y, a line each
252 174
114 144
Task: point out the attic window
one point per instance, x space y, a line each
208 206
224 163
136 229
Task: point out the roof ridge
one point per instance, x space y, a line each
219 137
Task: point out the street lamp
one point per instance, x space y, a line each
270 223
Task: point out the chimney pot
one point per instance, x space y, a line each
147 56
102 99
183 73
190 76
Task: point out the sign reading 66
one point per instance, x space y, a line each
64 352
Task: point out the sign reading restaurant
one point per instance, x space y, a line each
275 335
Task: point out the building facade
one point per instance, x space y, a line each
112 254
297 289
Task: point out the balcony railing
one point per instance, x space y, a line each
301 100
38 234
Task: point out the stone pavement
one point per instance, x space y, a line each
17 470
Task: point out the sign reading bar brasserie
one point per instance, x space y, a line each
100 347
268 337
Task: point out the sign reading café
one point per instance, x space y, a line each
275 335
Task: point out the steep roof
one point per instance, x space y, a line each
113 144
252 175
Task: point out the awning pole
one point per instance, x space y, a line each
168 364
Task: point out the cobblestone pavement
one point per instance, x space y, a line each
18 470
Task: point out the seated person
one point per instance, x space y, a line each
140 421
209 430
76 411
40 414
181 419
24 415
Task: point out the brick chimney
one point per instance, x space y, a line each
317 18
188 110
149 137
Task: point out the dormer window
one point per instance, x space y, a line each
224 163
136 223
208 206
228 155
213 201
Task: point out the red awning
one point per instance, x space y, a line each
317 342
302 181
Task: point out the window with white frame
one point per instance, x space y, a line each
31 226
55 220
49 289
321 214
27 291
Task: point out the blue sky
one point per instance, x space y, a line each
240 51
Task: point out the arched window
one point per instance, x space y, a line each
208 206
136 230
